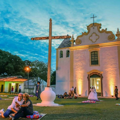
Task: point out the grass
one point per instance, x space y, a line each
73 110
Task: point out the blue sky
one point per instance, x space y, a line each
22 19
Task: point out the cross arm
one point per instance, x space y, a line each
40 38
53 37
60 37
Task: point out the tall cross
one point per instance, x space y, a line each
50 37
93 19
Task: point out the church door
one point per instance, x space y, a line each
95 80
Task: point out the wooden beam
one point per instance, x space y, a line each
40 38
60 37
53 37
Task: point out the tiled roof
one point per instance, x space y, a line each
13 79
65 43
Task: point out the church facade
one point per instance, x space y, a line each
93 59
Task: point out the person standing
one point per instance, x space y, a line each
90 90
38 90
12 89
19 88
72 91
75 91
93 94
116 93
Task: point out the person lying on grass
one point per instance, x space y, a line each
13 107
25 109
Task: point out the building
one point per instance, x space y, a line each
30 87
93 60
7 83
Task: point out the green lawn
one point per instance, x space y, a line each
73 110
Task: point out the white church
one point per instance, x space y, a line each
93 59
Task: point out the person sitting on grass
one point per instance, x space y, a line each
60 96
25 109
65 95
12 108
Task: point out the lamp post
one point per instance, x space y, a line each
27 69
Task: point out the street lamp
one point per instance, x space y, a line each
27 69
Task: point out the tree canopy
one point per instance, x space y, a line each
38 69
13 65
53 78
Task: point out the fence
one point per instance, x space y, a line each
31 89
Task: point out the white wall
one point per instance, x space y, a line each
103 37
109 64
22 86
81 66
63 73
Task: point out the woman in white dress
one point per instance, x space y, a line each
93 94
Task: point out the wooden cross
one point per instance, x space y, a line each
49 50
93 18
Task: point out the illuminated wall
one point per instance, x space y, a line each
2 83
108 65
6 85
63 73
80 71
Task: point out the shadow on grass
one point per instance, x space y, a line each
71 103
60 116
78 103
66 116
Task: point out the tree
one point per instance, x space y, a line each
53 78
27 63
11 64
38 69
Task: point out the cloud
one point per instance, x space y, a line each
20 21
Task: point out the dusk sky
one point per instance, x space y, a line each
20 20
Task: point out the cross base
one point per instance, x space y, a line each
47 96
47 104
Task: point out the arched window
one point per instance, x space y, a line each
94 58
61 54
67 53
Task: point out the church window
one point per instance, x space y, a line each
67 53
94 58
61 54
